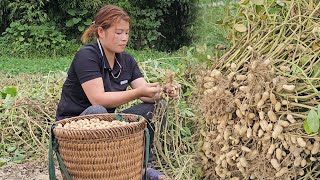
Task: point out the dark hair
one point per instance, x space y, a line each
108 15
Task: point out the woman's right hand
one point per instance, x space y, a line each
150 89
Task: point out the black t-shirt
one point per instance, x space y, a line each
89 64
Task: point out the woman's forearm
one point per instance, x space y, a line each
148 100
115 99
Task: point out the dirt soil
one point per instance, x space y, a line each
27 171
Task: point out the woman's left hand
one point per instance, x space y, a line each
157 96
172 90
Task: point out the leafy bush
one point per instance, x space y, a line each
3 15
163 25
178 18
78 19
22 39
155 24
74 16
23 11
158 24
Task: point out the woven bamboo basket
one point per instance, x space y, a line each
115 153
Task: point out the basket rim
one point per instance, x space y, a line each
95 115
103 133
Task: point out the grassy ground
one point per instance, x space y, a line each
206 29
33 65
42 65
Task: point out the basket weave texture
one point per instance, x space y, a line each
115 153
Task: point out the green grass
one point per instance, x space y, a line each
144 55
206 30
15 65
33 65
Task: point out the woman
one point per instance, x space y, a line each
101 72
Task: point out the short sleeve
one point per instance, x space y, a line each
86 64
136 73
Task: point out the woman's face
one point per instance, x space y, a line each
115 38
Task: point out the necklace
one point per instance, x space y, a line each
115 58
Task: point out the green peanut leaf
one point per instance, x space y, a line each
313 121
257 2
185 131
18 156
11 148
119 117
306 127
280 3
9 90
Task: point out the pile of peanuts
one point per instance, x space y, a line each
92 124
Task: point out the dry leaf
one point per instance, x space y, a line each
240 27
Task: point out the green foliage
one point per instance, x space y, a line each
159 24
145 25
266 10
23 11
312 123
163 25
6 97
22 39
209 34
10 153
74 16
155 24
34 65
78 19
27 32
3 15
